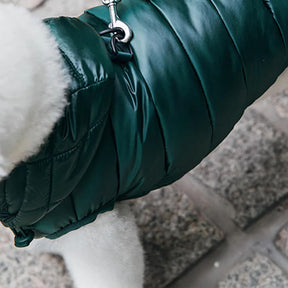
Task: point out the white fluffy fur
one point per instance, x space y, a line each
31 101
65 7
106 253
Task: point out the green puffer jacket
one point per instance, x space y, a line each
131 128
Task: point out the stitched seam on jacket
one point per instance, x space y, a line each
234 44
99 122
72 68
156 111
12 220
117 155
40 208
73 205
277 23
5 204
150 96
48 159
209 110
100 20
12 216
73 149
50 204
50 185
77 224
154 105
91 85
74 189
157 114
5 194
78 76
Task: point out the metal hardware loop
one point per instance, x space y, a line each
118 34
116 22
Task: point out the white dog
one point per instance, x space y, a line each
106 253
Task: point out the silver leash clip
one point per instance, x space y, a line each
116 22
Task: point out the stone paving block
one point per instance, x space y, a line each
20 269
173 233
249 168
256 272
281 241
280 103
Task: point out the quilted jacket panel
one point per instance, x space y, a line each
131 128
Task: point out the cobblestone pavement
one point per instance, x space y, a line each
223 225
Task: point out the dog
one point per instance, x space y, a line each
107 252
172 142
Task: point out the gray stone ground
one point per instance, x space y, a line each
174 234
249 168
256 272
223 225
19 269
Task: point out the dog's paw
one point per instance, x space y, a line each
32 85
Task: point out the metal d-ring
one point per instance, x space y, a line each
118 34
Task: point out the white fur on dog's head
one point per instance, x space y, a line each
32 85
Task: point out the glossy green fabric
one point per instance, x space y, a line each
131 128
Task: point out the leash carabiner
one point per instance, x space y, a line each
116 22
118 45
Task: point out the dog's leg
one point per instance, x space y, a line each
104 254
107 253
